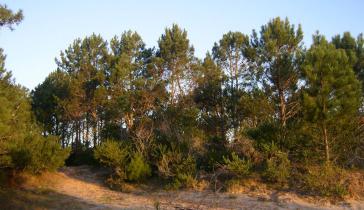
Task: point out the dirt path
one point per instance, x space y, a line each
82 188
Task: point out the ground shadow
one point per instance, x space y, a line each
11 198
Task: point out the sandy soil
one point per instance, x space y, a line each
83 188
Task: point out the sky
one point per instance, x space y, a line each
51 26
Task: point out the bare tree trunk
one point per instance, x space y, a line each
324 130
282 109
88 131
223 134
94 129
83 131
326 140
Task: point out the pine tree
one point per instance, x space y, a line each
86 62
209 98
354 49
46 105
178 58
279 52
230 54
332 97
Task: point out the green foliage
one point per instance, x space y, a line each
325 180
22 147
239 167
8 18
332 90
177 57
174 165
127 165
112 154
354 49
45 103
37 154
279 53
138 168
265 133
209 99
230 55
277 166
331 99
215 150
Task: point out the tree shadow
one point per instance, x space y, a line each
90 174
11 198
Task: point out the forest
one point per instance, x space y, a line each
260 105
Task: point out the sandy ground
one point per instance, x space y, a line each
82 188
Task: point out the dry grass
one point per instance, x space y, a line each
356 184
83 188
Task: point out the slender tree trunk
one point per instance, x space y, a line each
181 91
236 121
83 131
324 130
326 140
223 134
94 128
78 143
72 135
282 109
88 130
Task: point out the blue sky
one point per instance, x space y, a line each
50 26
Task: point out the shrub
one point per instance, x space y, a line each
37 153
327 180
138 168
215 149
277 166
49 156
234 186
125 164
114 155
176 166
239 167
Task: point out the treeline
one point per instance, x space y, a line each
260 104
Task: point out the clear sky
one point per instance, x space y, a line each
50 26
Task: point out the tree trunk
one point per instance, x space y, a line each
94 130
222 111
282 109
326 140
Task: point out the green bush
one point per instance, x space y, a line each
126 165
239 167
138 168
49 156
176 166
37 153
277 165
114 155
327 180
